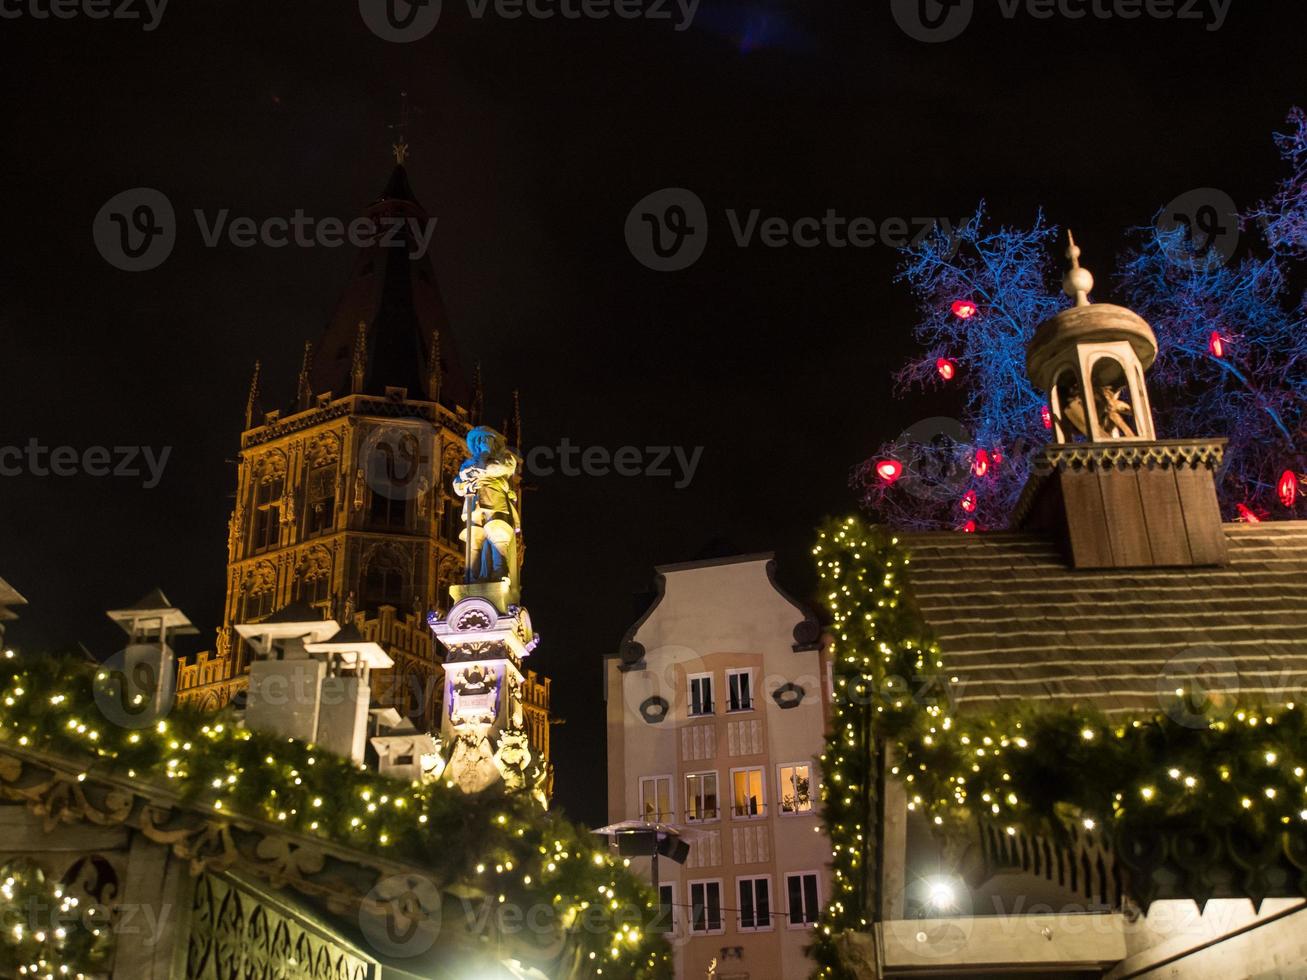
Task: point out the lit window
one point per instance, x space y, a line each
656 799
701 694
755 903
739 690
701 796
801 890
747 798
706 906
794 788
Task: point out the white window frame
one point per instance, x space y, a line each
698 797
762 794
769 919
721 909
661 816
738 672
789 922
780 790
689 699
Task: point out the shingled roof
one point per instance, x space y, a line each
1016 622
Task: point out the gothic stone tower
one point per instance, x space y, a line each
344 499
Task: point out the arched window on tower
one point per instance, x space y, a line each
320 500
384 581
265 508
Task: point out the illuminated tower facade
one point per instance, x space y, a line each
344 499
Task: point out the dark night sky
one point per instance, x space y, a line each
536 140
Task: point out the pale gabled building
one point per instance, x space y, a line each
717 703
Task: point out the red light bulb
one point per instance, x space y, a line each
1046 416
1287 488
1246 515
889 470
964 309
981 466
968 502
1216 345
969 527
946 368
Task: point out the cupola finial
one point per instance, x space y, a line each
1079 282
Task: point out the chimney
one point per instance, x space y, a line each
1119 496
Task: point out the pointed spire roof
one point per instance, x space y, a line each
393 290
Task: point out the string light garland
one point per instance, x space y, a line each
500 842
1033 768
43 930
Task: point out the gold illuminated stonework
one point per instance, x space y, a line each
346 504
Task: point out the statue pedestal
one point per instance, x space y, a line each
501 594
482 725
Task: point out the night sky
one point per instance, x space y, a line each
535 139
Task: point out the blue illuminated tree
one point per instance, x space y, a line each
1232 359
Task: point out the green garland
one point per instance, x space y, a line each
1027 768
499 842
43 933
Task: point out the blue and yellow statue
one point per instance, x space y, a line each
491 518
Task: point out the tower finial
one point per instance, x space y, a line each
360 358
305 388
252 400
433 368
1079 282
400 147
517 421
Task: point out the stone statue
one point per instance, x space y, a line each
490 513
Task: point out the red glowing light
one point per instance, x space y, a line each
998 458
1287 488
969 527
889 470
946 368
1046 415
968 502
964 309
1216 345
981 466
1246 515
